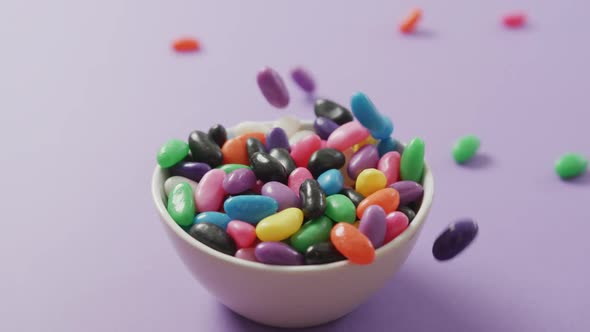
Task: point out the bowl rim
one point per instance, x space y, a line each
400 240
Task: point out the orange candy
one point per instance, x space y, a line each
186 45
353 244
387 198
409 23
234 150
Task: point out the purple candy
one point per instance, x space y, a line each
303 79
454 239
282 194
272 87
238 181
277 138
409 191
190 169
373 225
324 127
277 253
365 157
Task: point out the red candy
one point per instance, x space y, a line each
243 234
302 150
186 45
515 20
353 244
396 222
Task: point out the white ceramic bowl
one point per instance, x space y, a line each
289 296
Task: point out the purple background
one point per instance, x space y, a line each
91 89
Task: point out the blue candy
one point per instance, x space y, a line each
365 112
331 181
385 131
217 218
250 208
386 145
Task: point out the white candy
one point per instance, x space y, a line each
172 181
250 127
299 136
289 123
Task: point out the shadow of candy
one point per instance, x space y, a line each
479 161
582 180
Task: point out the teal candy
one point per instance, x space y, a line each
386 145
217 218
250 208
331 181
366 113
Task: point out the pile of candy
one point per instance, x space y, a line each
290 196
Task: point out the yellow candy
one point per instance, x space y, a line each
369 181
369 140
280 226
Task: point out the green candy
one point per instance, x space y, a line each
172 152
314 231
228 168
340 209
412 161
465 148
181 204
571 165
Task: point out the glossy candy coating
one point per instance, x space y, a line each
353 244
284 196
340 209
239 181
366 113
209 194
571 165
454 239
172 181
325 159
355 197
280 226
217 218
396 222
228 168
409 191
268 168
181 206
465 148
214 237
204 149
277 138
297 177
333 111
331 181
369 181
324 127
322 253
314 231
365 157
172 152
302 151
387 198
283 156
272 87
347 135
277 253
218 134
254 145
250 208
243 233
387 145
412 161
389 164
247 254
407 211
234 150
190 169
373 225
313 199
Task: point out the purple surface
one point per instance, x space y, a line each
91 89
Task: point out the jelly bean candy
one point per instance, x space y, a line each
246 254
340 209
284 196
409 191
365 157
228 168
298 136
217 218
331 110
313 199
347 135
369 141
365 112
272 87
571 165
289 124
397 222
348 182
277 253
387 198
217 134
277 138
172 181
181 206
369 181
214 237
250 208
407 211
280 226
322 253
239 181
389 165
253 145
325 159
412 161
355 197
324 127
234 150
387 145
331 181
314 231
204 149
172 152
454 239
243 233
302 151
297 177
465 148
353 244
373 225
303 79
268 168
190 170
209 194
283 156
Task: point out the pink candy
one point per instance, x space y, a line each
397 222
209 194
246 254
297 177
243 233
302 150
389 164
347 135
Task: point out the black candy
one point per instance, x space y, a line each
214 237
218 134
335 112
454 239
353 195
322 253
313 199
254 145
203 149
268 168
325 159
407 211
284 158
